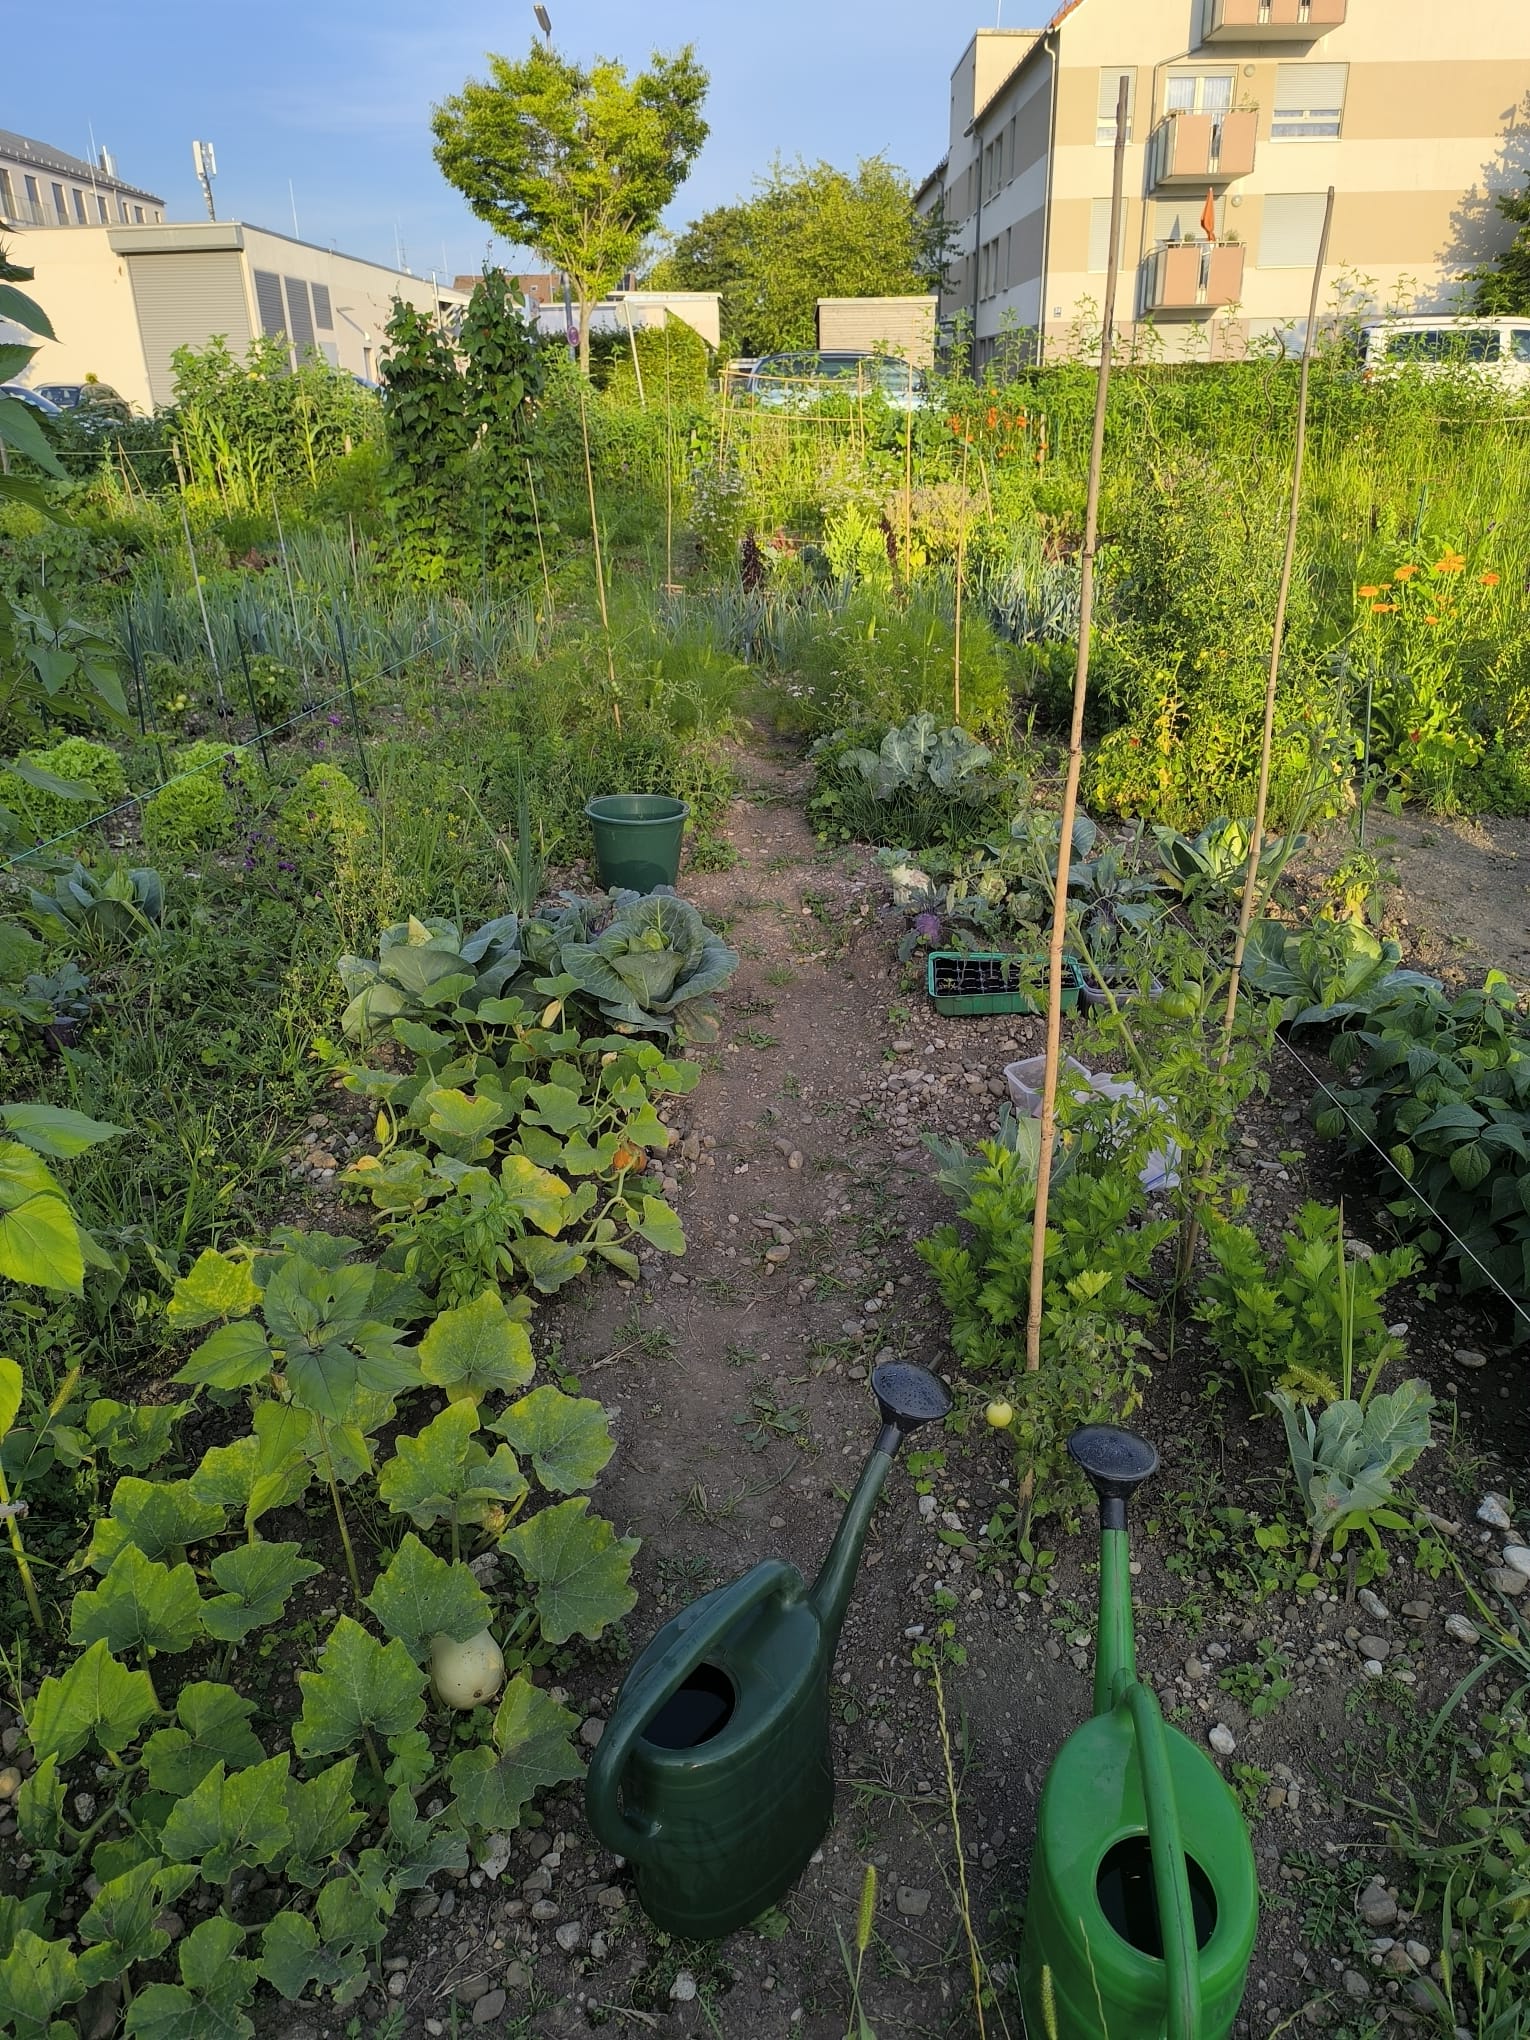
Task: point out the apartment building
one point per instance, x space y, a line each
1241 114
41 186
122 299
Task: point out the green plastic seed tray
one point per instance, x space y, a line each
962 983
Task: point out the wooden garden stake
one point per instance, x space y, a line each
600 572
536 519
196 575
908 476
961 575
1075 760
1277 641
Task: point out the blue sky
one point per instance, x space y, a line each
336 96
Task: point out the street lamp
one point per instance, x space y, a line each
544 20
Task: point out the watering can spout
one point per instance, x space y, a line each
907 1397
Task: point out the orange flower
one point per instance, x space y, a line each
1405 573
1451 563
1488 580
1367 594
1431 619
993 418
1383 608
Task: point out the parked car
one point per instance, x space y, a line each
86 396
786 382
1498 349
34 398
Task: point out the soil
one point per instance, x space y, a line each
736 1381
1461 904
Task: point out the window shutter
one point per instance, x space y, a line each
1309 101
322 316
1293 226
268 302
299 315
1110 87
1099 235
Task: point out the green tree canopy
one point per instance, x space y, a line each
1503 291
575 164
809 231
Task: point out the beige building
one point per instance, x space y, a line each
1417 118
41 186
122 299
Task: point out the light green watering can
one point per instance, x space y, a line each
1143 1903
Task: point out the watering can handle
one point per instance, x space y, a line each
1176 1913
698 1633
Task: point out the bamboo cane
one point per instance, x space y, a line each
600 572
1277 641
961 577
1075 757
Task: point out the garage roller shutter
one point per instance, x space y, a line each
184 300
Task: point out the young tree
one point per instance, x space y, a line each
809 231
1503 291
576 164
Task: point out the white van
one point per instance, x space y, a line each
1498 349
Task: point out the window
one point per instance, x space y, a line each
79 205
1199 92
1309 102
323 318
60 205
1009 152
1009 253
138 215
7 196
1292 229
34 197
1110 88
102 213
1519 345
122 211
268 302
1446 343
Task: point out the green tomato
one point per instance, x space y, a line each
1179 1005
1000 1414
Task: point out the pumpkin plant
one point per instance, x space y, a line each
192 1787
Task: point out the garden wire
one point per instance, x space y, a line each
197 772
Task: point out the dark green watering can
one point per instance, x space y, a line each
1140 1920
713 1776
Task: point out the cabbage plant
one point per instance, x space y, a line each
1325 973
652 968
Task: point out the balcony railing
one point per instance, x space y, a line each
28 212
1272 20
1196 276
1201 148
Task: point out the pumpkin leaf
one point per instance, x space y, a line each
579 1567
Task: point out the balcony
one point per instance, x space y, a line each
1192 150
1196 276
1230 21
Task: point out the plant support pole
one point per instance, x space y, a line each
350 695
249 688
1075 757
196 575
600 572
1277 640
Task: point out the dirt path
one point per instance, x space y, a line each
736 1379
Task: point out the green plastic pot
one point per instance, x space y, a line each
637 839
